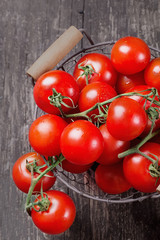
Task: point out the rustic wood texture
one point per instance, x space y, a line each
27 28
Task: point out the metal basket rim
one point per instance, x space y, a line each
73 188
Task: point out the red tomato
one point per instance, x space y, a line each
94 93
112 147
125 82
130 55
81 142
74 168
103 70
136 168
126 119
59 216
63 82
44 134
22 176
110 179
152 73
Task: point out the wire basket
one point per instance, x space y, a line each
84 184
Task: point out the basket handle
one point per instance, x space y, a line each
55 53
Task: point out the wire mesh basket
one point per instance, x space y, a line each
84 184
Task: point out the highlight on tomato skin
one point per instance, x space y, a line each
22 176
110 179
59 216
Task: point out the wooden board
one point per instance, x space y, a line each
27 28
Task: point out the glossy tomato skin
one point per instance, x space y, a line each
112 147
81 142
22 176
152 73
63 82
74 168
60 215
44 134
125 82
110 179
126 119
101 64
130 55
94 93
136 168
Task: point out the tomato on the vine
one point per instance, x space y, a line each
111 179
126 119
95 93
63 83
125 82
152 73
96 67
81 142
59 216
130 55
112 147
142 89
22 176
45 133
136 168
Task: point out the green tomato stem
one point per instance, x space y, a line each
136 148
35 181
84 113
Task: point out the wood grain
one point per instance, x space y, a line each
27 28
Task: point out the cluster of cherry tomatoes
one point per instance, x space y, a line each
94 115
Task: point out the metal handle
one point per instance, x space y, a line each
55 53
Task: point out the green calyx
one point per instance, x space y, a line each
87 72
154 170
57 100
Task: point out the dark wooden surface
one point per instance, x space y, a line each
27 28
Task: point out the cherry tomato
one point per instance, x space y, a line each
81 142
74 168
22 176
125 82
112 147
63 82
94 93
59 216
110 179
103 70
152 73
44 134
130 55
126 119
136 168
